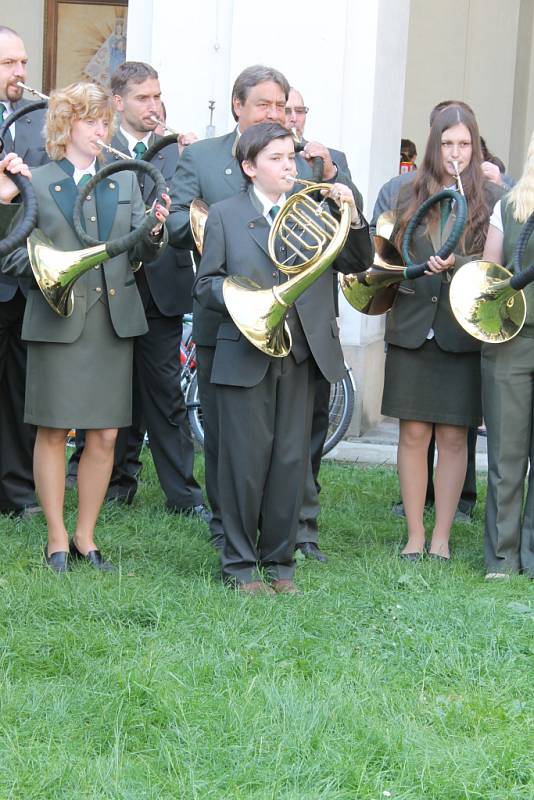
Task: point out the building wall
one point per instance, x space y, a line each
27 18
478 51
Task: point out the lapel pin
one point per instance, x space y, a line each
57 188
111 185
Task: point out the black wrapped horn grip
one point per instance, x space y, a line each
129 240
18 237
417 270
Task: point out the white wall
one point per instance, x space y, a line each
465 50
27 18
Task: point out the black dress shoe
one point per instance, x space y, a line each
411 556
93 557
218 541
311 550
58 561
197 512
121 497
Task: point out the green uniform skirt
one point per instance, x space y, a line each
431 385
85 384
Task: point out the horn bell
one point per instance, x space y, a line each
56 271
259 314
198 215
372 292
486 310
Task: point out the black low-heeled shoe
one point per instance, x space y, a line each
438 557
93 558
58 561
411 556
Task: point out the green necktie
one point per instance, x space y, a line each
84 180
140 149
273 212
445 209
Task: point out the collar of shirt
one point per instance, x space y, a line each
132 141
268 204
77 174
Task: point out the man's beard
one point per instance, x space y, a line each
13 92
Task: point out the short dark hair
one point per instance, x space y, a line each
130 71
408 150
250 77
446 104
255 139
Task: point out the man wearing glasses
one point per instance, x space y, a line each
307 533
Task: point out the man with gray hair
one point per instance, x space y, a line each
209 170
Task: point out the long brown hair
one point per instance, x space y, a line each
429 179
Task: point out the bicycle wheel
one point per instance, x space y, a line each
340 409
194 411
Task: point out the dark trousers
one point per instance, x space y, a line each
264 439
17 439
208 401
158 407
308 526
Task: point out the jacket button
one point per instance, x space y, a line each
227 171
111 185
98 289
88 197
251 224
97 266
434 299
93 219
112 292
57 188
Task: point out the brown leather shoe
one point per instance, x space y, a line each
284 586
254 587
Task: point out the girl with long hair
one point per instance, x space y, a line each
432 379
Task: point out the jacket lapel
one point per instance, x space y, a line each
63 191
107 199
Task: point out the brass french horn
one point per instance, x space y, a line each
487 299
310 232
373 291
56 271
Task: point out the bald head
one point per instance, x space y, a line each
295 112
13 61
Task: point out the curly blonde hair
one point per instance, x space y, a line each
66 106
522 195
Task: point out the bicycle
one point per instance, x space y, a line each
340 409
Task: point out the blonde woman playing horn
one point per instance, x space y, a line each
80 367
508 399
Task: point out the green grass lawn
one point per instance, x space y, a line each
381 679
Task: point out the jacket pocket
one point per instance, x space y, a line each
227 330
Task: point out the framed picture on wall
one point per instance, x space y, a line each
83 41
